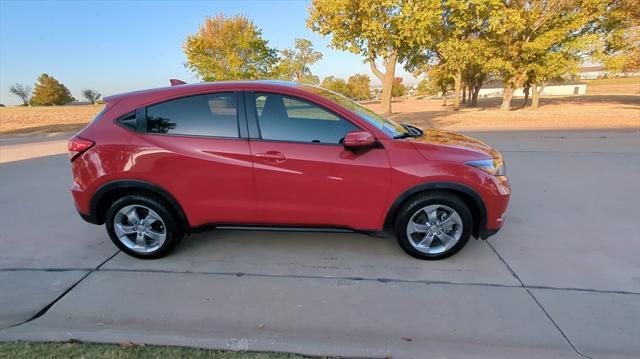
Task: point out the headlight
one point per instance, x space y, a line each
494 166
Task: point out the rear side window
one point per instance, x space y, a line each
203 115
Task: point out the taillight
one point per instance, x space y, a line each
77 145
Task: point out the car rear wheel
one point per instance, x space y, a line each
433 226
142 226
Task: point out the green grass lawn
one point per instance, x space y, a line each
21 350
614 81
614 86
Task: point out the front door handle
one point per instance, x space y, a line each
272 156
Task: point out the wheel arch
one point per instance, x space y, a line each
110 191
468 195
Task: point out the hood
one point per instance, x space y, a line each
434 140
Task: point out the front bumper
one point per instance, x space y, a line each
497 207
486 233
89 218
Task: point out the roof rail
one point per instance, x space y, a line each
176 82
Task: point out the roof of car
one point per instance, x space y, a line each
243 83
203 85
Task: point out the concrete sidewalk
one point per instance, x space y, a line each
25 147
562 279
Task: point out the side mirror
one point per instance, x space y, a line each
358 139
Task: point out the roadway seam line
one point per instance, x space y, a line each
515 275
381 280
46 308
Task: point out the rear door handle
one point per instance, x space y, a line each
272 156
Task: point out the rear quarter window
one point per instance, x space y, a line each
213 115
128 121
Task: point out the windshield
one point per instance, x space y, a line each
391 128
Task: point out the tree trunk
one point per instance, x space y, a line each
464 94
474 95
506 97
387 79
387 84
475 87
526 90
457 80
536 96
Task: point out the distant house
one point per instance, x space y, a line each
78 103
412 91
591 72
598 71
496 89
376 92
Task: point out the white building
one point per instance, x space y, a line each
591 72
496 89
597 72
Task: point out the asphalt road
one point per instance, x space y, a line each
562 279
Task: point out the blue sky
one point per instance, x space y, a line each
118 46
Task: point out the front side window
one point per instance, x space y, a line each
203 115
284 118
388 126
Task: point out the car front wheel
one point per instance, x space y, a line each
433 226
142 226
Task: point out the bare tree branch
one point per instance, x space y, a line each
91 95
23 91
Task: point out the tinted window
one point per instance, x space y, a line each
286 118
128 120
203 115
391 128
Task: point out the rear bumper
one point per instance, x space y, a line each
82 204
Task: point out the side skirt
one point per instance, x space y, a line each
205 228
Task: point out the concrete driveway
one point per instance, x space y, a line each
562 279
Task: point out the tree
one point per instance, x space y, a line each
398 88
374 29
337 85
359 86
442 80
22 91
475 75
229 49
48 91
91 95
527 32
427 87
294 62
550 67
452 35
618 36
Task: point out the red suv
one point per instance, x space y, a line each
158 164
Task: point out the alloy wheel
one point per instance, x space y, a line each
140 228
434 229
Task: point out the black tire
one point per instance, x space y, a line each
172 229
419 202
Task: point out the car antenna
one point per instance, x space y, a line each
176 82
